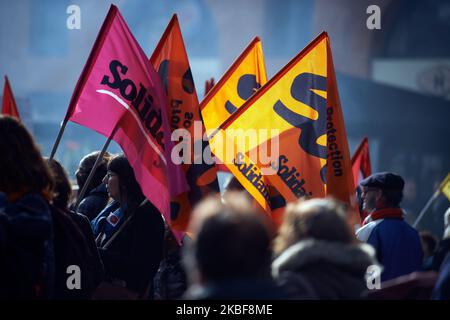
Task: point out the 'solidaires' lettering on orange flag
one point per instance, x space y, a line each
119 92
9 106
171 61
299 106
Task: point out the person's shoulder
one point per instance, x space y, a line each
80 219
33 202
365 231
147 211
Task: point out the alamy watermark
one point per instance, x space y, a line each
74 19
74 279
374 20
260 146
373 277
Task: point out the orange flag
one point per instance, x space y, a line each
298 111
9 106
361 161
171 61
245 76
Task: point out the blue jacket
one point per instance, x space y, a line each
397 245
94 202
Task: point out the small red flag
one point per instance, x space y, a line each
9 106
361 161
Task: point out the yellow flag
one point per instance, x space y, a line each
242 79
290 129
445 186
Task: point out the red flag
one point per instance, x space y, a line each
9 106
361 161
171 61
119 92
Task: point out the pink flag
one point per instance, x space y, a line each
119 92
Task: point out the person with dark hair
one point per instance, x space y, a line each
96 197
397 243
26 242
129 234
74 241
62 189
317 255
229 257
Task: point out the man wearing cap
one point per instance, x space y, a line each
396 242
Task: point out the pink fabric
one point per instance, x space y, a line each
101 107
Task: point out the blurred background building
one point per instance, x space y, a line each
394 82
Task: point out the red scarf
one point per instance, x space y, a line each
391 213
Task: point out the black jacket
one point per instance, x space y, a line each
136 252
26 248
74 244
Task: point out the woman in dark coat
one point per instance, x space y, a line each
26 242
74 241
129 232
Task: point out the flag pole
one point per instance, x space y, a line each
422 212
94 167
58 139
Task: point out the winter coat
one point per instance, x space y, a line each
94 202
74 246
397 244
314 269
133 256
26 248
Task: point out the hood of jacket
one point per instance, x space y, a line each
306 253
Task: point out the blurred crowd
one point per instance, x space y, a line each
112 243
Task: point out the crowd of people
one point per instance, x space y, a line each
123 248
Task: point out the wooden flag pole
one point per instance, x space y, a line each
94 167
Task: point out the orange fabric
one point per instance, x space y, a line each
171 61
